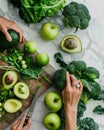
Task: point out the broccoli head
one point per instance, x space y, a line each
76 15
76 68
59 79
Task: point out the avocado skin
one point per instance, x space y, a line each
4 43
76 50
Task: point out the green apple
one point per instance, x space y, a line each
49 31
52 121
53 101
30 47
42 58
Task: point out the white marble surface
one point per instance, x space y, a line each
93 49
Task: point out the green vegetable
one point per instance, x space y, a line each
79 65
32 11
4 43
99 110
84 97
81 109
28 70
61 114
76 68
76 15
86 75
59 79
95 89
91 89
92 73
88 124
101 95
60 60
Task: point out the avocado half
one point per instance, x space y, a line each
71 44
9 79
4 43
12 105
21 90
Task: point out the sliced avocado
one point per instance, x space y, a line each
21 90
71 44
4 43
9 79
12 105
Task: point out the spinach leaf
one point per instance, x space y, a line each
100 96
33 71
88 124
99 110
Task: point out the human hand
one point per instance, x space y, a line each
71 94
6 24
18 124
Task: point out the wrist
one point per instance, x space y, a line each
70 109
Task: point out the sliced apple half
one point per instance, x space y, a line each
12 105
21 90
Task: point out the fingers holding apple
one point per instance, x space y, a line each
49 31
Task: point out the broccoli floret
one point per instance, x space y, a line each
74 21
59 79
91 73
76 68
71 68
76 15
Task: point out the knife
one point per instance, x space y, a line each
29 114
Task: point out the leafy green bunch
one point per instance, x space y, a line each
76 15
32 11
23 64
92 89
87 75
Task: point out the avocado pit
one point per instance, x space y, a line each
9 79
70 43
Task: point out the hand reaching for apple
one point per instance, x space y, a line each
71 96
18 124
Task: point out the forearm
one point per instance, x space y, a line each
71 119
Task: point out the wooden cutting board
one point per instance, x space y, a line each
32 83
